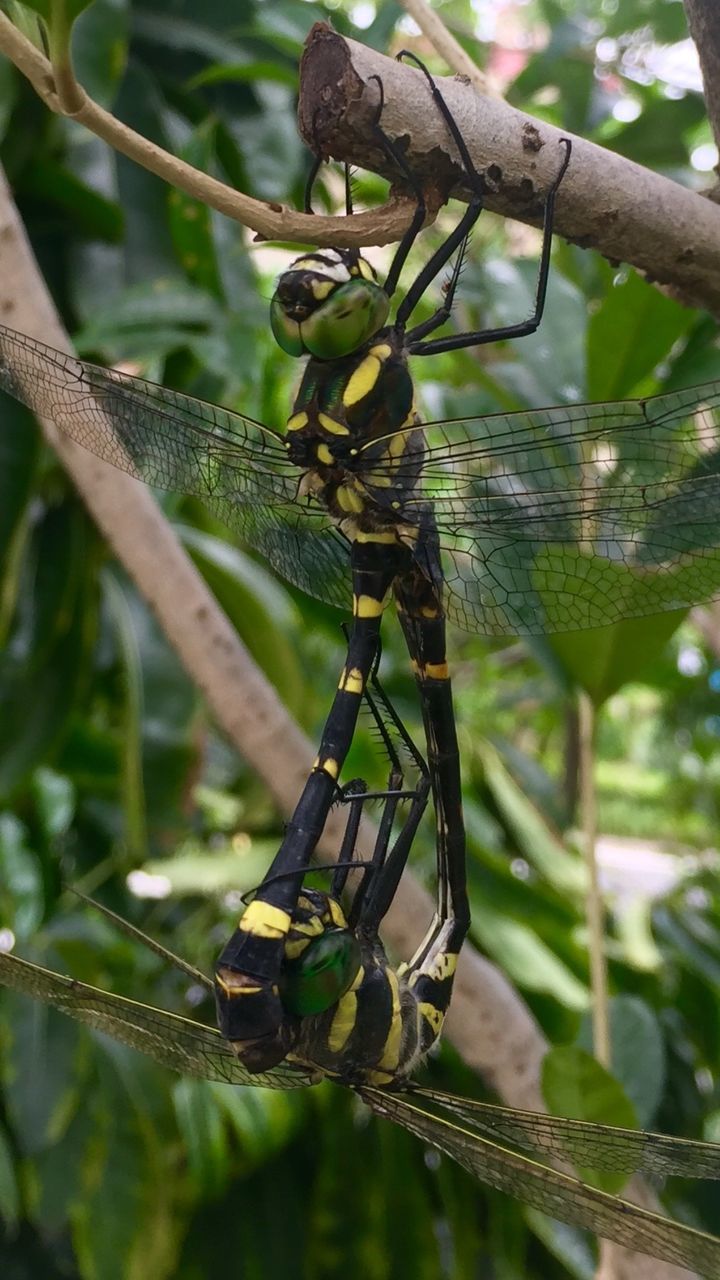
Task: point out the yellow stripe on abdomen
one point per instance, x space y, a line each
265 920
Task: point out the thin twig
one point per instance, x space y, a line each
595 912
434 30
270 221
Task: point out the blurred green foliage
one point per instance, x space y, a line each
109 762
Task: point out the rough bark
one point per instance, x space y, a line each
606 202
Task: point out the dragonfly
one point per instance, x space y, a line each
548 520
334 497
354 1020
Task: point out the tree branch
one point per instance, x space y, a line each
606 202
268 220
704 22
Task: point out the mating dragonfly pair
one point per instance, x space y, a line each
550 520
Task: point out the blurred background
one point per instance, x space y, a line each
114 778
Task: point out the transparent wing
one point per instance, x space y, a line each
173 1041
237 467
552 1192
549 520
596 1146
574 517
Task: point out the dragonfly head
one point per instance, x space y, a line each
321 959
322 956
327 304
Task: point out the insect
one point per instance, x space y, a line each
351 1018
345 488
548 520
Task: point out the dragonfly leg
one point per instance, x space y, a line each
380 881
478 338
457 239
250 1011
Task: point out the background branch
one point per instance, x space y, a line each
626 212
704 23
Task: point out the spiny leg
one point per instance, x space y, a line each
457 239
379 883
375 903
418 218
478 338
247 972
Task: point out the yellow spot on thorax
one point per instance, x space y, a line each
348 499
380 1077
337 914
386 539
361 382
324 455
330 425
297 421
363 379
345 1015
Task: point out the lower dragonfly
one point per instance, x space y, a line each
353 1019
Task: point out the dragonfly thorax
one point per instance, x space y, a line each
327 304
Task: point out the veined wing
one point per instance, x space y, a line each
597 1146
236 466
566 518
173 1041
554 1193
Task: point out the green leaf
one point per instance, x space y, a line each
526 958
40 1102
204 1135
536 840
638 1053
39 687
191 220
629 334
54 801
575 1085
20 879
9 1191
600 661
263 613
56 186
48 9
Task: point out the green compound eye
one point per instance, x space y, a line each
286 332
322 974
352 314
